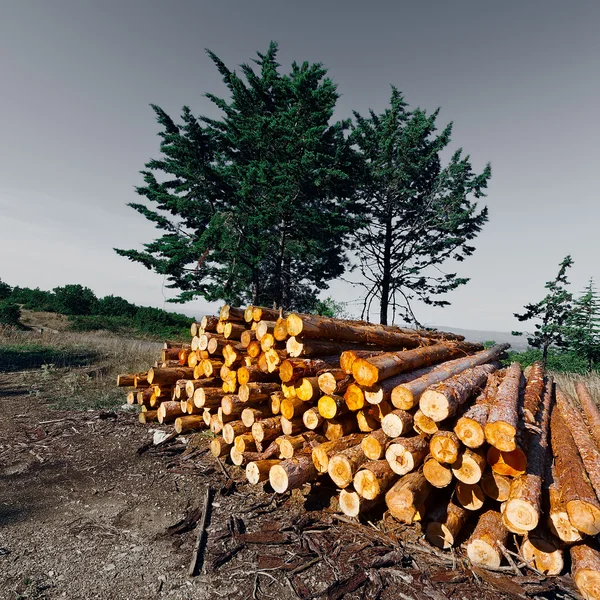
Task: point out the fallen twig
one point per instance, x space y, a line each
201 538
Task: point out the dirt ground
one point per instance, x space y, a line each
83 515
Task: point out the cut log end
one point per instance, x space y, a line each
481 552
521 514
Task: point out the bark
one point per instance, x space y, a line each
374 445
216 425
343 465
533 392
291 370
374 478
407 395
368 372
292 426
495 486
307 389
322 452
334 381
253 374
293 407
292 473
369 419
590 455
446 523
219 448
348 358
524 505
245 443
232 405
148 416
469 466
232 429
542 551
590 411
423 425
438 475
257 391
193 384
263 328
352 504
229 313
299 347
585 569
331 407
406 454
442 401
333 429
257 471
470 427
407 495
208 397
382 392
483 547
581 502
501 426
445 447
266 429
209 323
169 376
169 411
312 418
470 495
189 423
303 443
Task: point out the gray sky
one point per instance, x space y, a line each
520 80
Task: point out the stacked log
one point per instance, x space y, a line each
421 423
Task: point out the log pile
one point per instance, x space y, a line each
419 423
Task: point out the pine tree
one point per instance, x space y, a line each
583 326
421 213
257 205
552 313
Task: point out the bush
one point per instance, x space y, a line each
114 306
74 299
5 290
34 299
562 362
10 313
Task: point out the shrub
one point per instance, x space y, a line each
5 290
74 299
10 313
562 362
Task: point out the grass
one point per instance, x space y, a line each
567 381
72 370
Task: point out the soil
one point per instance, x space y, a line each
88 510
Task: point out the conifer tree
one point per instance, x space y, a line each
551 313
420 213
583 326
257 205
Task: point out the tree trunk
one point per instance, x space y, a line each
406 454
229 313
374 445
445 447
334 429
288 445
343 465
483 547
257 391
189 423
501 426
590 411
585 569
169 376
446 522
352 504
245 443
438 475
312 419
533 392
397 423
259 470
469 466
382 392
374 478
334 381
322 452
348 358
292 473
470 427
542 551
407 395
495 486
407 495
423 425
266 429
291 370
470 495
169 411
582 504
590 455
442 401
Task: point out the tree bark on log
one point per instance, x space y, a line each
343 465
582 504
244 442
374 478
407 495
334 381
445 446
209 322
407 395
303 443
397 423
193 384
322 452
233 429
266 430
370 371
169 376
312 419
534 391
524 505
406 454
148 416
369 419
484 545
590 411
257 391
292 473
189 423
585 569
501 426
253 374
257 471
169 411
446 523
219 448
590 455
293 369
229 313
300 347
208 397
292 426
443 400
334 429
438 475
374 445
382 392
250 415
348 358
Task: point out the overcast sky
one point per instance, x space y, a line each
520 81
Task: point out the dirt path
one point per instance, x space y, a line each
83 516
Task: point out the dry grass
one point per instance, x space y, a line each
75 370
567 381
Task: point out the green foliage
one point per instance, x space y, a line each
550 314
582 329
5 290
34 299
258 205
330 308
489 344
74 299
420 213
556 360
115 305
10 313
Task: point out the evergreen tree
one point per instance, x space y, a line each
583 326
420 213
5 290
551 313
259 204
